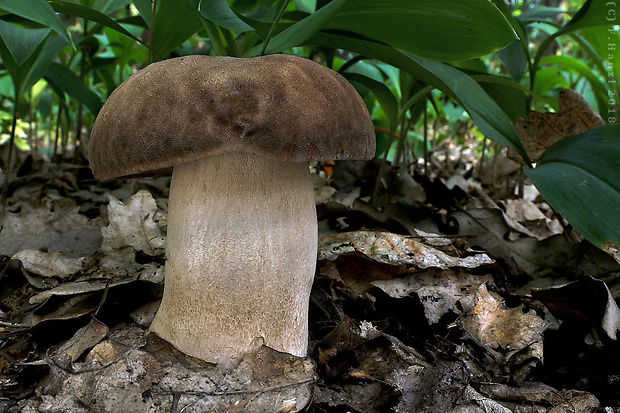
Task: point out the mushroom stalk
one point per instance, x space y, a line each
241 255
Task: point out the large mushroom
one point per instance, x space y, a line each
242 228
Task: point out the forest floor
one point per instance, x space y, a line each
445 293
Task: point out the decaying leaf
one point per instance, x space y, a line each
74 307
57 228
612 249
438 291
502 331
374 363
49 264
150 375
104 354
569 401
393 249
489 230
133 227
531 221
144 315
544 129
527 398
366 397
401 267
78 287
85 338
346 336
586 299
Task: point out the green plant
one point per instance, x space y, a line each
488 57
577 175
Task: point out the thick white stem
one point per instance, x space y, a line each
241 255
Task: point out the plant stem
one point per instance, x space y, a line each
425 149
281 8
148 52
7 169
58 117
78 123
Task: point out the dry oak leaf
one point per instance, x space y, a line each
544 129
394 249
502 331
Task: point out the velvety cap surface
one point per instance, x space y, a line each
183 109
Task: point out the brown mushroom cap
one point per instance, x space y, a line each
180 110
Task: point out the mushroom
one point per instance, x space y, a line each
242 229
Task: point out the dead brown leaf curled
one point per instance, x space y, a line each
49 264
393 249
150 375
502 331
85 338
133 227
542 130
438 291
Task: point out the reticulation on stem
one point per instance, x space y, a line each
241 255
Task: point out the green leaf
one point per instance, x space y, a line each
72 85
516 56
110 6
382 93
301 31
38 11
76 9
307 6
609 66
446 30
35 69
514 59
220 13
21 42
585 71
593 13
487 115
580 178
31 59
511 96
26 75
175 22
145 8
540 13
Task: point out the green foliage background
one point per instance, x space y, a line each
412 61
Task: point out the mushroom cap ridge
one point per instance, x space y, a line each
183 109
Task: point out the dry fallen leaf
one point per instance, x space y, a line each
74 307
524 216
59 228
502 331
438 291
85 338
489 229
49 264
544 129
393 249
586 299
530 397
133 227
150 375
381 364
612 249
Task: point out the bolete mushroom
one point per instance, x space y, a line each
242 227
